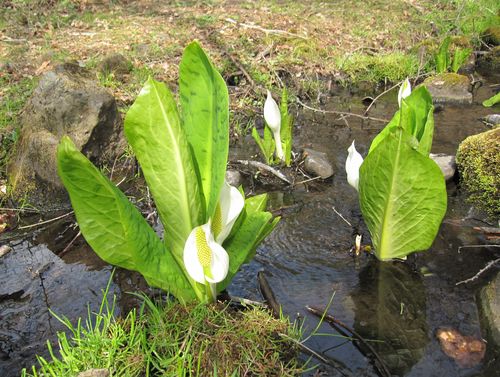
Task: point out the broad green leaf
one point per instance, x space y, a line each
269 144
260 142
443 56
459 58
415 117
257 203
286 127
114 228
492 100
153 130
242 246
402 197
205 118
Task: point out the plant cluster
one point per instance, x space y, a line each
170 339
443 60
402 192
276 145
210 228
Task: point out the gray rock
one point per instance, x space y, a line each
94 373
317 163
115 63
491 120
67 101
234 178
4 250
489 306
449 88
489 63
446 163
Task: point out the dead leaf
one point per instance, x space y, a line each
44 67
466 350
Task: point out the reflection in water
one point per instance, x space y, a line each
389 306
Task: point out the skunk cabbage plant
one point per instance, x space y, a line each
352 165
210 228
402 191
277 138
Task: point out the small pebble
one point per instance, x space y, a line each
4 250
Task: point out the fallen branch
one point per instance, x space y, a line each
342 113
335 323
260 165
47 221
489 265
342 217
328 361
267 31
380 95
268 294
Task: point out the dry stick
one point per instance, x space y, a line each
328 361
342 217
260 165
343 113
65 250
47 221
243 70
307 180
335 323
475 246
481 271
267 31
380 95
268 294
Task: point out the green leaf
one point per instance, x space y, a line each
242 246
492 100
265 144
153 130
415 117
114 228
459 58
205 117
257 203
402 197
443 56
286 127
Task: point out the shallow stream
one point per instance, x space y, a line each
306 259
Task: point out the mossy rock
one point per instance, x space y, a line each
449 88
489 63
430 46
478 162
491 35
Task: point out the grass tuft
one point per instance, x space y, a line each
168 339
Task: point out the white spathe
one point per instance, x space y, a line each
404 91
272 116
352 165
230 205
205 260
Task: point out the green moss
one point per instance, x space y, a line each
478 161
491 35
375 68
449 79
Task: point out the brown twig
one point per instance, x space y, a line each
268 294
380 95
260 165
335 323
47 221
267 31
343 113
325 360
489 265
65 250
